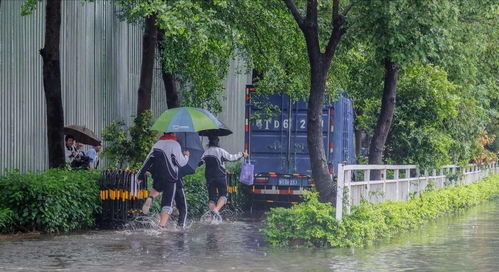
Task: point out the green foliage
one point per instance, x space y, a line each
313 223
28 7
405 31
53 201
6 219
268 38
197 45
458 38
427 102
129 146
471 62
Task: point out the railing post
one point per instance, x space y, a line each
397 183
427 179
348 184
368 180
418 174
465 176
434 177
408 177
339 192
383 173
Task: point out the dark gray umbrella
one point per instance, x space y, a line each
222 130
82 134
190 141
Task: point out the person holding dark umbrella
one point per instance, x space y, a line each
216 175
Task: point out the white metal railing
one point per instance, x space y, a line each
399 182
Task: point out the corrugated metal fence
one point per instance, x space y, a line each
100 67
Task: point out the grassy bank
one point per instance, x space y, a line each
313 223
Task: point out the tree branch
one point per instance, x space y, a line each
346 10
311 31
296 13
336 8
337 21
311 12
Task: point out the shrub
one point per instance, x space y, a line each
6 219
53 201
196 193
129 146
313 223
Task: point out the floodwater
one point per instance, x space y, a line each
468 241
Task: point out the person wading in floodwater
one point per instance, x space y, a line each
216 175
163 162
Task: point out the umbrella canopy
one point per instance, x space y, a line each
220 131
82 135
190 141
186 119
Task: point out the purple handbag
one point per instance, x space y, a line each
247 173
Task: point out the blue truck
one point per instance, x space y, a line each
276 140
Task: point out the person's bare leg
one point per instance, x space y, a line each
221 202
211 205
148 202
154 193
164 216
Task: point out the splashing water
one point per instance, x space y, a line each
150 223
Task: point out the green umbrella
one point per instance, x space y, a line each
186 119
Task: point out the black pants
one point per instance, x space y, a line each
217 188
168 189
181 204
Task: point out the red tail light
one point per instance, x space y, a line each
261 179
272 174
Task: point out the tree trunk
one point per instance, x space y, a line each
358 142
146 70
385 117
358 136
320 169
168 78
171 90
319 66
52 84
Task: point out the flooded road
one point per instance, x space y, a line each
466 242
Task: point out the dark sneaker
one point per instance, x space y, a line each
216 216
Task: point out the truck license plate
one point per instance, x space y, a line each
289 182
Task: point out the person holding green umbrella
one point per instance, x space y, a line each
163 162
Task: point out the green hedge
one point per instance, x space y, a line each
313 223
53 201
